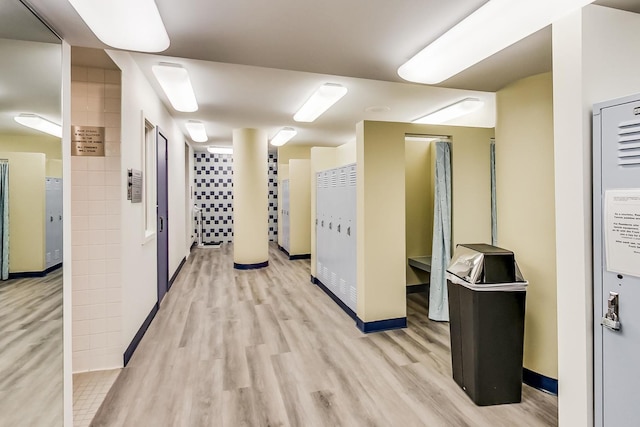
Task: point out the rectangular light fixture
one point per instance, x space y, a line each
36 122
321 100
197 131
176 84
125 24
283 136
493 27
219 150
450 112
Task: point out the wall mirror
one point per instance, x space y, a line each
31 359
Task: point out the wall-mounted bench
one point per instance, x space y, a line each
421 263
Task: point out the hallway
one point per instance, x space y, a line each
266 347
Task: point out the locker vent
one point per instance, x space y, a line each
325 273
334 179
334 280
318 180
343 179
343 287
352 294
629 143
352 177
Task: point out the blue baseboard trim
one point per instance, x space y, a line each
540 381
283 250
381 325
173 278
337 300
250 266
128 353
29 274
300 256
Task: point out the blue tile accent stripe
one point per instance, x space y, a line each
128 353
381 325
337 300
540 381
250 266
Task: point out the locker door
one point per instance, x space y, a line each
57 211
351 203
286 226
317 225
341 241
617 226
326 209
49 221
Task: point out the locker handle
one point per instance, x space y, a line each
348 231
330 226
322 223
51 219
339 228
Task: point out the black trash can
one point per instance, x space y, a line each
486 310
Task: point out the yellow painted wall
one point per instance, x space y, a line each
381 207
50 146
26 211
418 205
288 152
54 168
526 205
300 206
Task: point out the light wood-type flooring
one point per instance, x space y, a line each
268 348
31 352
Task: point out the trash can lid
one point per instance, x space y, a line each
467 262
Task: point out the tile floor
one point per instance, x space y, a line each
89 390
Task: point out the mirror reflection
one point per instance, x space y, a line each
31 363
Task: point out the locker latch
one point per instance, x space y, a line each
339 228
610 319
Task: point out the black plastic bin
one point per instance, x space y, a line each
486 323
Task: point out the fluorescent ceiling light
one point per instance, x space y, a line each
219 150
197 131
36 122
450 112
321 100
496 25
125 24
283 136
176 84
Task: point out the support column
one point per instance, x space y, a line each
250 199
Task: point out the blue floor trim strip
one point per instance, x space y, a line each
128 353
250 266
29 274
337 300
540 381
381 325
299 256
173 278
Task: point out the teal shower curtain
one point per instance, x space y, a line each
4 219
441 249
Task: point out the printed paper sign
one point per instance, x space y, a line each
622 231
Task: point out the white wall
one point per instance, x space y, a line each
139 288
594 59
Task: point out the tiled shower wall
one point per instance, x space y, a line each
214 194
95 224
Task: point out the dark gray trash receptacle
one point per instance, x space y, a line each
486 310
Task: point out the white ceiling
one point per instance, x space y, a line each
283 49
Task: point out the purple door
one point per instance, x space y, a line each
163 218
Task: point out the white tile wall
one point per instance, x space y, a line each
95 209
